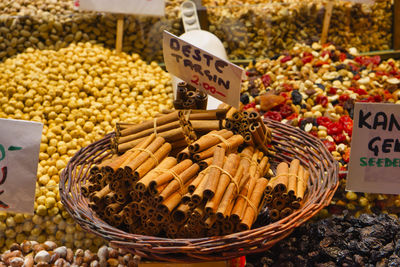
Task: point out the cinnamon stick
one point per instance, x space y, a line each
230 194
180 215
144 155
251 214
101 194
169 136
178 182
278 203
214 173
150 124
280 181
151 162
209 140
302 184
167 176
196 182
230 167
231 144
184 154
274 214
197 195
292 178
285 212
143 183
173 200
205 163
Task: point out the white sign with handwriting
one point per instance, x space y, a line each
375 149
201 69
137 7
19 155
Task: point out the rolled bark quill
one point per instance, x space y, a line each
178 181
292 178
181 91
173 200
196 182
302 183
167 175
214 173
274 214
209 140
227 176
229 195
279 183
184 154
252 209
201 100
230 145
143 183
169 136
151 162
197 195
205 163
131 166
150 124
131 153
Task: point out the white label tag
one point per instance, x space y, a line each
217 77
137 7
19 154
375 149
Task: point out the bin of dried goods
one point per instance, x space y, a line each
198 185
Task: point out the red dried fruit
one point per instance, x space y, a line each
285 110
332 90
334 128
321 99
347 124
266 80
331 146
339 138
324 121
344 97
273 115
286 59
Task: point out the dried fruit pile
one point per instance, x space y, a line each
370 240
315 88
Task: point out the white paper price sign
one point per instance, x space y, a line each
374 165
217 77
19 153
137 7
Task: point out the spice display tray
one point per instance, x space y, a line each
288 142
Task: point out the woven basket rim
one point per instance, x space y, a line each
206 248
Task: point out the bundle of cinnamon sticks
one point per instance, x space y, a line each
250 125
188 97
167 126
146 191
181 175
285 191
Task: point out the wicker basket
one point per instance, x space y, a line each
289 142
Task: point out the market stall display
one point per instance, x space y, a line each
288 143
80 91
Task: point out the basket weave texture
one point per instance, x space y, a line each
289 143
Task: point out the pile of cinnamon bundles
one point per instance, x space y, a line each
250 125
285 192
188 97
146 191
